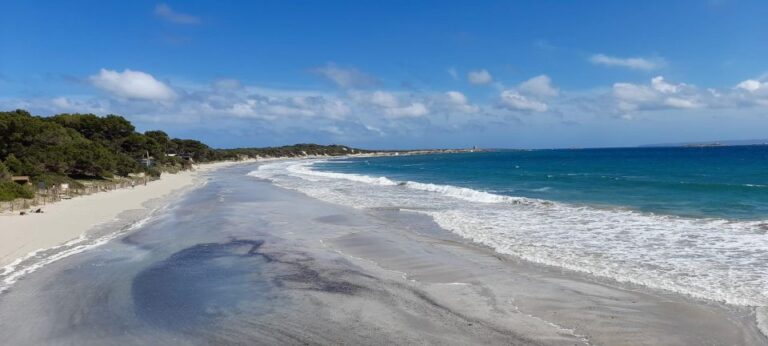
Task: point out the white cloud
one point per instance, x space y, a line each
659 84
540 86
75 104
681 103
62 103
479 77
752 85
166 12
511 99
456 97
458 101
414 110
383 99
633 93
345 77
401 105
131 84
631 63
389 104
276 107
659 94
529 95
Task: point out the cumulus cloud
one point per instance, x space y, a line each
479 77
530 95
457 97
389 104
646 64
383 99
345 77
458 101
511 99
167 13
75 104
540 86
276 107
131 84
658 94
413 110
676 102
752 85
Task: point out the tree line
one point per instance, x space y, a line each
64 147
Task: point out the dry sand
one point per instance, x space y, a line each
68 219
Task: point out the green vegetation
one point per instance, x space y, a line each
4 173
65 147
56 149
10 190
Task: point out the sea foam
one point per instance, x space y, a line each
33 261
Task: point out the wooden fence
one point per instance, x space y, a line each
52 195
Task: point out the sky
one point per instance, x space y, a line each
397 74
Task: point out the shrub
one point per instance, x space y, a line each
10 191
153 172
51 180
4 173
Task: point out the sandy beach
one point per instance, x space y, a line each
69 219
241 261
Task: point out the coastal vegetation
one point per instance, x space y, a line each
69 148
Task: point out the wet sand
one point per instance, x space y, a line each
68 219
240 261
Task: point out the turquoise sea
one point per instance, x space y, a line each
723 182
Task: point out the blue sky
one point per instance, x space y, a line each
398 74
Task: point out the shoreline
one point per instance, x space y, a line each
67 220
572 301
375 274
757 314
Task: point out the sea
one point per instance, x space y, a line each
687 220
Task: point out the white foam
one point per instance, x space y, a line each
463 193
35 260
712 259
761 315
303 169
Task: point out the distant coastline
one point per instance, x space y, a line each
718 143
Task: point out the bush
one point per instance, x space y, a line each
51 180
10 191
153 172
4 173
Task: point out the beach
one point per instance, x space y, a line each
239 260
67 220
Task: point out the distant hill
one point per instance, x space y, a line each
712 143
